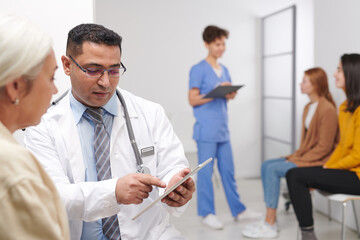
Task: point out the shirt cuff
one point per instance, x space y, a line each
110 201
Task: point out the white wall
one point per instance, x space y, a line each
162 40
336 33
57 18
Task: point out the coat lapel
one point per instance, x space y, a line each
119 120
72 142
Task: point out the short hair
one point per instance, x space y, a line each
211 33
23 49
90 32
319 81
351 67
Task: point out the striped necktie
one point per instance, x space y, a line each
110 225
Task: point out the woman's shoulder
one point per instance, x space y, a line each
198 69
200 64
16 160
357 113
326 105
342 108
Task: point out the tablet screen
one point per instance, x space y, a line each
200 166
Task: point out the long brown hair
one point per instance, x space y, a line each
351 67
319 80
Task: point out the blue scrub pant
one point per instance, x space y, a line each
271 173
205 193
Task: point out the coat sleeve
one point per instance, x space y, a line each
28 212
86 201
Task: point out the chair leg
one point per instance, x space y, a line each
329 209
298 232
343 221
356 219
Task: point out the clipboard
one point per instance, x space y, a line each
200 166
221 91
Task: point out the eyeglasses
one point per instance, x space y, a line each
98 72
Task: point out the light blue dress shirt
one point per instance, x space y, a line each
85 127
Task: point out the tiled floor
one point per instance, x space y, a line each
251 194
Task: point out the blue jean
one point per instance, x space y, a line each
271 173
205 192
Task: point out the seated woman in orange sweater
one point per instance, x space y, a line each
319 136
341 172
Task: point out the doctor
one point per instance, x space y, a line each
83 144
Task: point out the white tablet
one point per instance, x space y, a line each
173 187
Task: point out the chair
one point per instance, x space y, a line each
284 191
343 199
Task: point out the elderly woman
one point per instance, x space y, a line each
29 203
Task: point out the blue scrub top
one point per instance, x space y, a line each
211 118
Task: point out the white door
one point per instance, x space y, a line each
278 83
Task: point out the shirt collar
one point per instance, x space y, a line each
78 108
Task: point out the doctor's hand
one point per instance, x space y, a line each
135 187
183 193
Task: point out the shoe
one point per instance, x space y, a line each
256 224
248 215
308 235
263 230
211 221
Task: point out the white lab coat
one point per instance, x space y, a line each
56 144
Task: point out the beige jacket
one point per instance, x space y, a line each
319 141
30 207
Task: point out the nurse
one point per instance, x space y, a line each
211 131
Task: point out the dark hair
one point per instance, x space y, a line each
90 32
319 80
351 68
211 33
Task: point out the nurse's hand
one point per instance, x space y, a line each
225 84
230 95
182 194
135 187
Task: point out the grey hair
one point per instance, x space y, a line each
23 48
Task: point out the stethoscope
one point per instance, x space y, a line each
141 168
